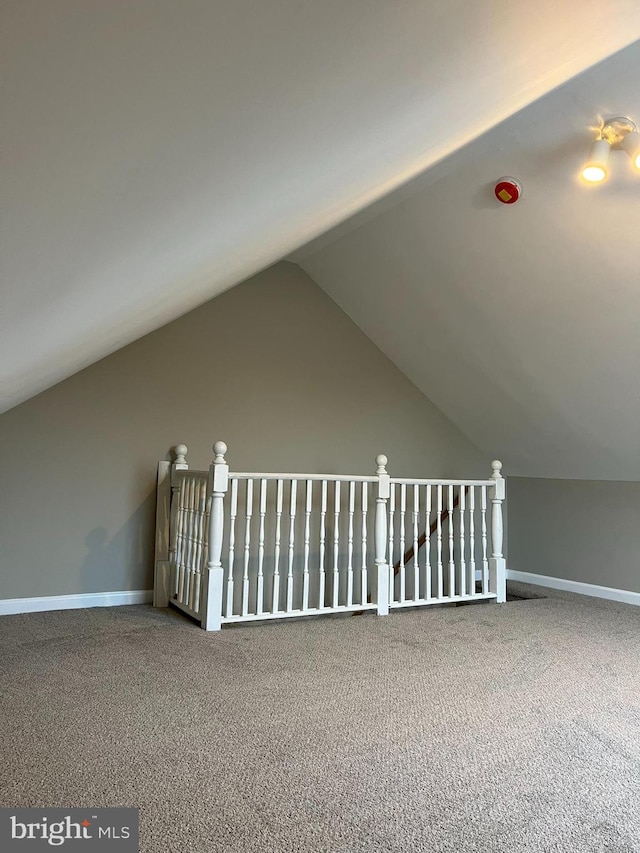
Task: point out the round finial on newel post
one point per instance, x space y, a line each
496 468
181 452
219 448
381 462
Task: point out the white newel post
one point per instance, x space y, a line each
380 536
181 458
213 580
497 563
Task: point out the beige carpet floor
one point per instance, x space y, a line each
509 728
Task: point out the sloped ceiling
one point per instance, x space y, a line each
158 152
521 322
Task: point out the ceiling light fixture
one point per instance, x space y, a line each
618 132
631 144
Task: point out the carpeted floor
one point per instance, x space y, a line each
509 728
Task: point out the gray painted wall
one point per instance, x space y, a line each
272 366
581 530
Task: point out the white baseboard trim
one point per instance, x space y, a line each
613 594
11 606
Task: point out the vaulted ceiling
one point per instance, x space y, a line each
520 322
157 153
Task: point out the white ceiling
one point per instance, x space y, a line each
157 152
522 322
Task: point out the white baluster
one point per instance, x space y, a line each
416 562
263 512
363 569
427 543
196 543
463 564
292 534
383 568
247 548
439 542
323 516
202 504
179 549
392 511
197 540
497 563
403 512
335 589
212 587
276 564
472 540
204 528
184 563
352 497
452 566
205 523
307 542
485 563
188 563
175 539
228 611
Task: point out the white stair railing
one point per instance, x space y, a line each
305 545
447 560
283 545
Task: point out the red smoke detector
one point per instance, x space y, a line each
508 190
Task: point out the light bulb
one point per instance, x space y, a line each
595 169
594 174
631 144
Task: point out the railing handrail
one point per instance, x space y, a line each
412 481
273 475
341 478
